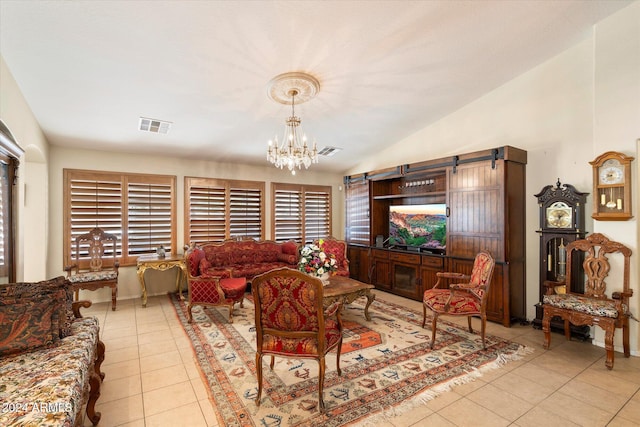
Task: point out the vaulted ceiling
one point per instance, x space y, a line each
90 69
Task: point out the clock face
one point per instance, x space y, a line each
611 172
559 215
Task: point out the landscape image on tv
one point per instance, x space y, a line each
423 226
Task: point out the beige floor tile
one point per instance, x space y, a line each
119 332
465 413
209 413
631 411
501 402
121 369
166 398
120 388
163 377
156 347
433 420
145 328
121 411
118 343
120 355
200 389
576 411
522 387
537 417
188 415
595 396
159 361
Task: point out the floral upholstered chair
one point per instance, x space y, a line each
101 267
593 307
291 321
468 297
337 248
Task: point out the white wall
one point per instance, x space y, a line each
128 284
32 218
565 113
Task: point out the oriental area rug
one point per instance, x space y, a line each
387 366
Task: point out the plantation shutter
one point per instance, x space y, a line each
95 201
245 212
150 219
357 227
139 209
4 215
301 213
317 209
221 209
287 214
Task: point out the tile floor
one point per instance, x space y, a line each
152 379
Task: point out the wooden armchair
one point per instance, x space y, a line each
593 307
102 267
468 297
211 291
337 248
291 321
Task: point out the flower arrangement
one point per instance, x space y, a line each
315 262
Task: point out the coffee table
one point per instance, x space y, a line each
347 290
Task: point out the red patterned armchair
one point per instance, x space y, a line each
210 290
291 321
337 248
468 298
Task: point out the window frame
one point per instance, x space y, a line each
225 201
118 215
303 192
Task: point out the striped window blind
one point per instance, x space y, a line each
301 212
217 209
357 229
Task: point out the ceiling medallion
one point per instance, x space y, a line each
293 152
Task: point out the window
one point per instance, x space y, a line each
138 208
301 212
10 152
357 212
217 209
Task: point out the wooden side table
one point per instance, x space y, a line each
347 290
154 262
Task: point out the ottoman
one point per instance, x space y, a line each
234 288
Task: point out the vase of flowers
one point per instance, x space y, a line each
316 262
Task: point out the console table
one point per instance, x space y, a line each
154 262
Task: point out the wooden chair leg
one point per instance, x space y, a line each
483 327
321 362
625 338
189 315
424 315
567 330
608 345
469 323
99 359
338 350
259 375
114 294
433 328
94 394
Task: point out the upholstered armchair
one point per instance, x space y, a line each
337 248
211 291
291 321
101 268
466 297
593 307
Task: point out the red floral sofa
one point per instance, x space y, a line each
50 356
240 258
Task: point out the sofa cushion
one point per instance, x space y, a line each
59 293
289 259
290 248
193 261
27 324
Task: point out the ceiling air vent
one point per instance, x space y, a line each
329 151
155 126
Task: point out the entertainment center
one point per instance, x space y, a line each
404 224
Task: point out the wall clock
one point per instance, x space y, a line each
612 187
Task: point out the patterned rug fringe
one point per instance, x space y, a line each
387 413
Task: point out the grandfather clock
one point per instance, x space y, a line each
561 222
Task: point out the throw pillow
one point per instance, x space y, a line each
26 325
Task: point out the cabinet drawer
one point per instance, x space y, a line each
377 253
407 258
432 261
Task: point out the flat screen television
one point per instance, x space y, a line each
419 226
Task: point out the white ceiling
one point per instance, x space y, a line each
90 69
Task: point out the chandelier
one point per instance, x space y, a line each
293 151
